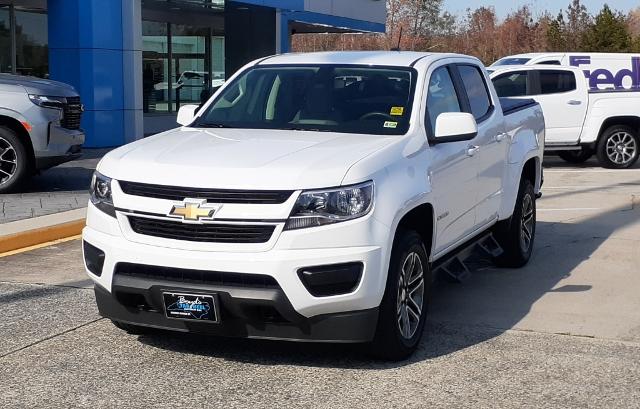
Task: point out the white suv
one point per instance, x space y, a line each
297 205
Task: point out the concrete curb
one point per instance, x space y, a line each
38 230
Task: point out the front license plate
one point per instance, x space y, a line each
193 307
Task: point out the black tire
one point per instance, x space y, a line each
400 302
580 156
516 241
618 147
14 161
132 329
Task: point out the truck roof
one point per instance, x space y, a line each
385 58
500 69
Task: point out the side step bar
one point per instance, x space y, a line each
455 267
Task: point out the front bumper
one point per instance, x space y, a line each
62 145
288 311
265 313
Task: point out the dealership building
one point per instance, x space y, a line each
135 62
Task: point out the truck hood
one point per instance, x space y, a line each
241 158
39 86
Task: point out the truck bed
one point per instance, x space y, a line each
511 105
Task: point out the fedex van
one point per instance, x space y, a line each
605 72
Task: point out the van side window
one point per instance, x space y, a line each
477 92
441 97
512 84
549 62
556 82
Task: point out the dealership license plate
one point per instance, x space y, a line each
193 307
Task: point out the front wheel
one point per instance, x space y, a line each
403 309
14 161
516 234
619 147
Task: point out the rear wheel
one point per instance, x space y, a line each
618 147
403 309
579 156
14 161
516 234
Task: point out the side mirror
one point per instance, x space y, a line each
187 114
455 126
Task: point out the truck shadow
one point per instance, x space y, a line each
490 303
553 161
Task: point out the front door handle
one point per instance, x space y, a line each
501 137
574 102
472 150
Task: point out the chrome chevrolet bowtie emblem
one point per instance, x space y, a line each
194 210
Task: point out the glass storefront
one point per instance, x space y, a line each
5 39
182 64
24 44
32 51
155 66
183 52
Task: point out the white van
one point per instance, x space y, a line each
604 72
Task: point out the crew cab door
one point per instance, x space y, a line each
453 164
562 96
564 102
491 141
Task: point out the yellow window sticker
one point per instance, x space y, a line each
397 111
390 124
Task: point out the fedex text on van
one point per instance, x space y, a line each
601 79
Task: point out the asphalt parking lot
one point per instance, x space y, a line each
562 332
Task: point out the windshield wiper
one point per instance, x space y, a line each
297 128
212 125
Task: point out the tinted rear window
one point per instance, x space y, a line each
556 82
476 90
513 84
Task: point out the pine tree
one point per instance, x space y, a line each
556 40
578 22
609 33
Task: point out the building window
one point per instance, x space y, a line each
182 64
32 50
24 42
5 40
155 66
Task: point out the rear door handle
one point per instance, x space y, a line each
574 102
472 150
501 137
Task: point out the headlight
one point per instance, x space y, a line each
320 207
101 193
48 102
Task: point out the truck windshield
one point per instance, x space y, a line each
511 61
347 99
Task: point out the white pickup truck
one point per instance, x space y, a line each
299 205
581 121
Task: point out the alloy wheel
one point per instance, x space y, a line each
410 295
527 223
8 161
621 148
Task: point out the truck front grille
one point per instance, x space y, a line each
72 113
211 195
196 276
206 233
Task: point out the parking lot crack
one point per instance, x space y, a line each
49 338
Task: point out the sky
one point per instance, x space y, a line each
538 6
